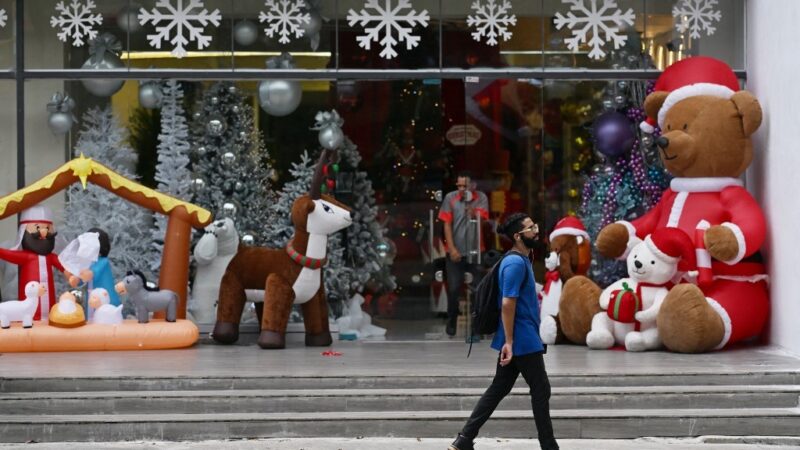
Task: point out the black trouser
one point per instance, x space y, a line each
455 281
532 368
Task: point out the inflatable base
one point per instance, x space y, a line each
130 335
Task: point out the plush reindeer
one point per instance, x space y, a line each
292 275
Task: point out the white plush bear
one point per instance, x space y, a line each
652 268
104 312
22 311
357 322
212 253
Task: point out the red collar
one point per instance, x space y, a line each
305 261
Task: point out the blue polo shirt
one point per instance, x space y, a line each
526 318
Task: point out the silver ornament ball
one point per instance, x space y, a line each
228 158
245 33
235 108
620 100
331 137
647 140
198 184
314 25
99 87
216 126
229 209
232 89
279 97
248 239
242 134
150 95
201 151
214 100
608 103
238 187
127 18
196 115
60 123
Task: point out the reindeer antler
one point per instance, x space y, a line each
316 181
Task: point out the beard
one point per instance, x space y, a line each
529 242
35 243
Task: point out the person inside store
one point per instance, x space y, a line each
517 339
462 211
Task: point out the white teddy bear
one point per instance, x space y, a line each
653 266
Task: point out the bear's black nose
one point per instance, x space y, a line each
637 264
662 142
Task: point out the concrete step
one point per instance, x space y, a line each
61 384
568 423
360 400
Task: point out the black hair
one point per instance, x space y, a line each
512 225
464 174
139 274
105 242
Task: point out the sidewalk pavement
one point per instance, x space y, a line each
702 443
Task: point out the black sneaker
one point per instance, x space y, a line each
450 328
461 443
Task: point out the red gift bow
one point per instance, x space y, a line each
549 277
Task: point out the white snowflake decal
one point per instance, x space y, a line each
696 15
285 19
595 20
491 20
3 18
76 21
389 20
180 19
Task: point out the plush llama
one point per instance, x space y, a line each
103 312
22 311
631 304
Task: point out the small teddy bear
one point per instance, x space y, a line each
570 255
631 304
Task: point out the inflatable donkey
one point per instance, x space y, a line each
291 275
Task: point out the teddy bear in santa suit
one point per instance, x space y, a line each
706 124
33 253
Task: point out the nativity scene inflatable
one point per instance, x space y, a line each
44 320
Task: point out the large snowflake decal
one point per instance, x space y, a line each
388 20
491 20
3 18
594 20
285 19
76 21
180 19
696 15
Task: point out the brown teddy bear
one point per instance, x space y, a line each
570 255
706 124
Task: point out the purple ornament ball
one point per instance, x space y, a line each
613 134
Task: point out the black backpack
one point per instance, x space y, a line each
485 309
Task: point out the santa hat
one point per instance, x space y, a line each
699 75
569 225
34 214
672 245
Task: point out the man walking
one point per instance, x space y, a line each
460 212
517 339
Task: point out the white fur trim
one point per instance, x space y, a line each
693 90
677 209
710 184
660 254
568 230
739 239
632 239
726 321
646 127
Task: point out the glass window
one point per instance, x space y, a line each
519 43
8 149
388 51
7 34
674 32
315 49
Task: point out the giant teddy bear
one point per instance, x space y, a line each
706 124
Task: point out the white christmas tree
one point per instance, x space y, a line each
231 164
127 224
172 170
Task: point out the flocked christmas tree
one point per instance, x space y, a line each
172 170
127 224
231 164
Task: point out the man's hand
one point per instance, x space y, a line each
455 256
73 281
506 354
